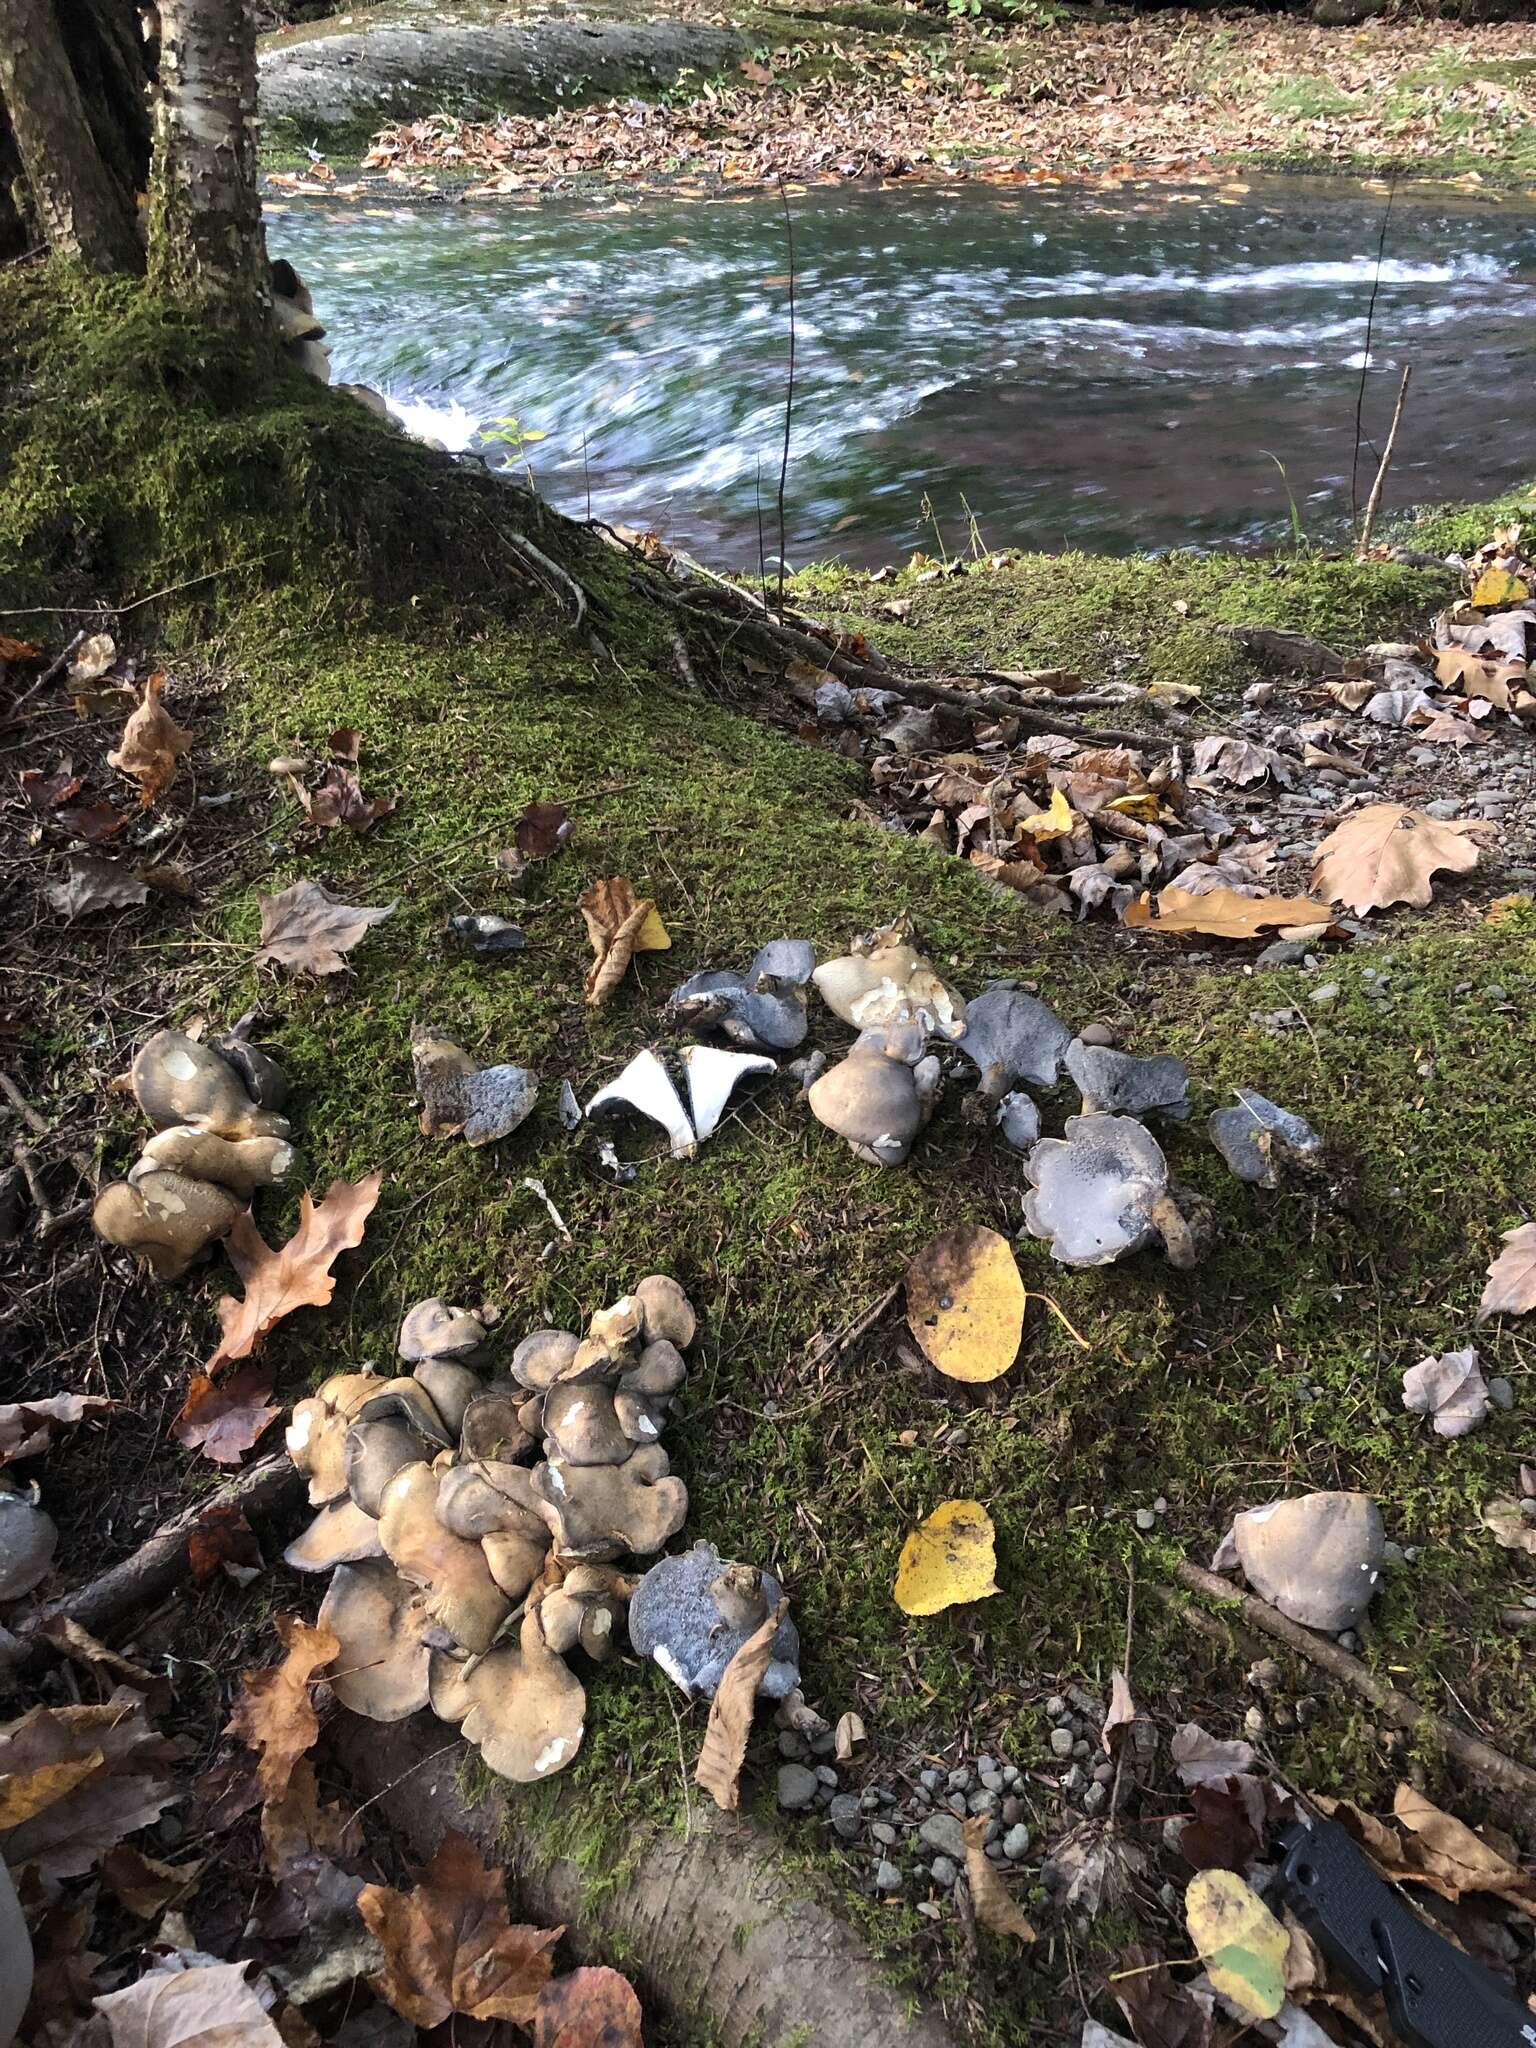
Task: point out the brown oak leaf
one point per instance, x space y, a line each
990 1898
298 1274
128 1786
1386 854
305 926
29 1427
1223 914
620 925
718 1771
275 1712
449 1945
151 745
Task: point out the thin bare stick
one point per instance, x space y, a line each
789 392
13 1095
1365 356
1490 1767
1374 499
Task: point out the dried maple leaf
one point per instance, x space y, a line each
1511 1288
224 1420
94 823
27 1428
449 1945
619 925
1223 913
718 1771
274 1713
1386 854
1241 761
46 792
337 799
593 2008
127 1787
298 1274
143 1884
91 883
304 926
151 745
16 650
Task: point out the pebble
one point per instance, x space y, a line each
1501 1393
941 1831
991 1781
930 1909
869 1800
1443 807
1104 1773
887 1877
884 1834
994 1852
1081 1749
1328 993
1013 1811
983 1802
1010 1774
985 1765
1096 1798
1253 1722
1016 1843
845 1816
1061 1742
1495 993
824 1744
943 1871
1145 1519
956 1804
825 1775
1075 1781
797 1787
1347 1640
1055 1707
960 1780
930 1780
794 1747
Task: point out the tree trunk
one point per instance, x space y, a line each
205 236
81 210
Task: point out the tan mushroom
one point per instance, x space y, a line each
616 1330
376 1449
581 1426
435 1329
599 1512
543 1357
340 1534
177 1081
492 1425
450 1387
878 1099
240 1164
317 1432
447 1685
453 1573
515 1559
381 1668
667 1311
165 1217
483 1496
884 979
527 1708
586 1611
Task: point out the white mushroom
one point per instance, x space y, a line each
646 1087
883 979
1093 1192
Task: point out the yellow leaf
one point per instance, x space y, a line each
947 1560
1241 1943
1141 803
1222 913
25 1793
1498 586
1056 822
965 1303
653 936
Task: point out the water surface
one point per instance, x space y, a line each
1111 369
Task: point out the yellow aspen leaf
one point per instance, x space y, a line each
1057 821
1498 586
965 1303
948 1560
1141 803
1241 1943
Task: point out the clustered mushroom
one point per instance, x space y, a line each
474 1528
218 1138
764 1009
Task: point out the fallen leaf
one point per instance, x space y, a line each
94 823
1057 821
1449 1388
151 745
91 883
223 1420
337 799
304 926
990 1898
965 1303
129 1788
1202 1759
17 650
79 1644
1508 1527
44 793
298 1274
27 1428
1241 761
275 1714
1122 1712
1511 1288
449 1945
541 831
1241 1943
92 658
759 74
1496 587
592 2008
948 1560
1464 1863
25 1793
144 1884
1164 2013
296 1826
1222 913
187 2004
222 1540
345 744
718 1771
619 925
1386 854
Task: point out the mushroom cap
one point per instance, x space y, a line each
381 1668
782 963
240 1164
491 1427
260 1075
450 1386
480 1497
1093 1192
28 1540
165 1217
342 1533
1317 1558
515 1559
542 1357
585 1610
452 1572
441 1069
496 1100
527 1708
1115 1083
178 1081
712 1076
872 1101
409 1399
764 1009
580 1425
675 1617
447 1690
640 1416
660 1371
1012 1037
667 1312
615 1330
1255 1135
598 1512
316 1436
1018 1118
434 1329
646 1087
376 1449
884 979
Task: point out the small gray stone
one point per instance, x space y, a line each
1283 953
825 1775
982 1802
1348 1640
960 1780
887 1877
1016 1843
1075 1782
955 1801
884 1833
994 1852
992 1781
869 1799
943 1832
1013 1811
1495 992
1010 1774
930 1780
824 1744
1443 807
1055 1707
1082 1749
1501 1393
984 1764
844 1815
1322 997
1061 1742
930 1909
943 1871
797 1787
1095 1798
1145 1519
1104 1773
793 1748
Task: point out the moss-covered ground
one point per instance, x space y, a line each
352 578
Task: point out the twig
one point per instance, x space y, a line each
1490 1767
537 1187
121 611
562 579
1374 499
38 1125
1365 358
1125 1670
384 1790
55 668
35 1188
682 1766
789 392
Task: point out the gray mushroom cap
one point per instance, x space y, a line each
1018 1118
1117 1083
435 1329
450 1386
1255 1136
377 1447
491 1427
1317 1558
877 1102
261 1076
28 1539
580 1425
675 1617
1093 1192
542 1357
1012 1037
764 1009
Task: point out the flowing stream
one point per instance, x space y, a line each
1119 369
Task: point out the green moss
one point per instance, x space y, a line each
1275 1367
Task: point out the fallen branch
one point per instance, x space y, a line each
1490 1767
1374 500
